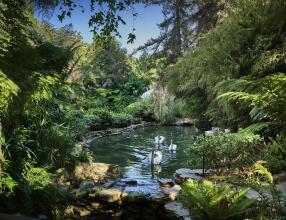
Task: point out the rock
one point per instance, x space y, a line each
86 184
282 188
279 177
96 171
129 182
216 130
85 188
82 212
146 190
69 212
166 182
184 122
255 195
95 205
177 211
109 184
110 195
172 192
41 216
183 174
209 133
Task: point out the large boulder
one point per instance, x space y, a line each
166 182
145 190
98 172
183 174
176 210
280 177
110 195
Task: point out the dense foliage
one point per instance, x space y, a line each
54 89
238 66
234 77
209 201
221 63
226 151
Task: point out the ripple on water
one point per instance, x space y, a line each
130 149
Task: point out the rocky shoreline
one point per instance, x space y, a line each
99 190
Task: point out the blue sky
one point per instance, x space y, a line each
145 24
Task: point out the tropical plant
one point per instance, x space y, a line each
275 154
225 151
209 201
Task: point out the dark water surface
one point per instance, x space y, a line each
129 150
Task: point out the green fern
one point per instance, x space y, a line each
210 201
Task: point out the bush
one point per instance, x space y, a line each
141 109
53 145
99 119
122 120
226 150
46 197
275 154
209 201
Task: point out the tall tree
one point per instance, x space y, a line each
183 21
176 29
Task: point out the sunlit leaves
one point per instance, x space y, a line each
8 90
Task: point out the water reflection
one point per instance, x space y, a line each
130 151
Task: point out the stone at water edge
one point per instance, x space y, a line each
176 210
109 184
166 182
82 212
145 190
110 195
129 182
95 205
282 188
280 177
184 122
172 192
183 174
86 184
96 171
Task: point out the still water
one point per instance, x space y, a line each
129 150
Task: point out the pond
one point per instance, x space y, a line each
129 151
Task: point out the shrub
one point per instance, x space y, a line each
209 201
100 118
226 150
275 154
122 120
46 197
52 145
141 109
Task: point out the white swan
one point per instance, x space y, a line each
172 147
160 140
157 157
